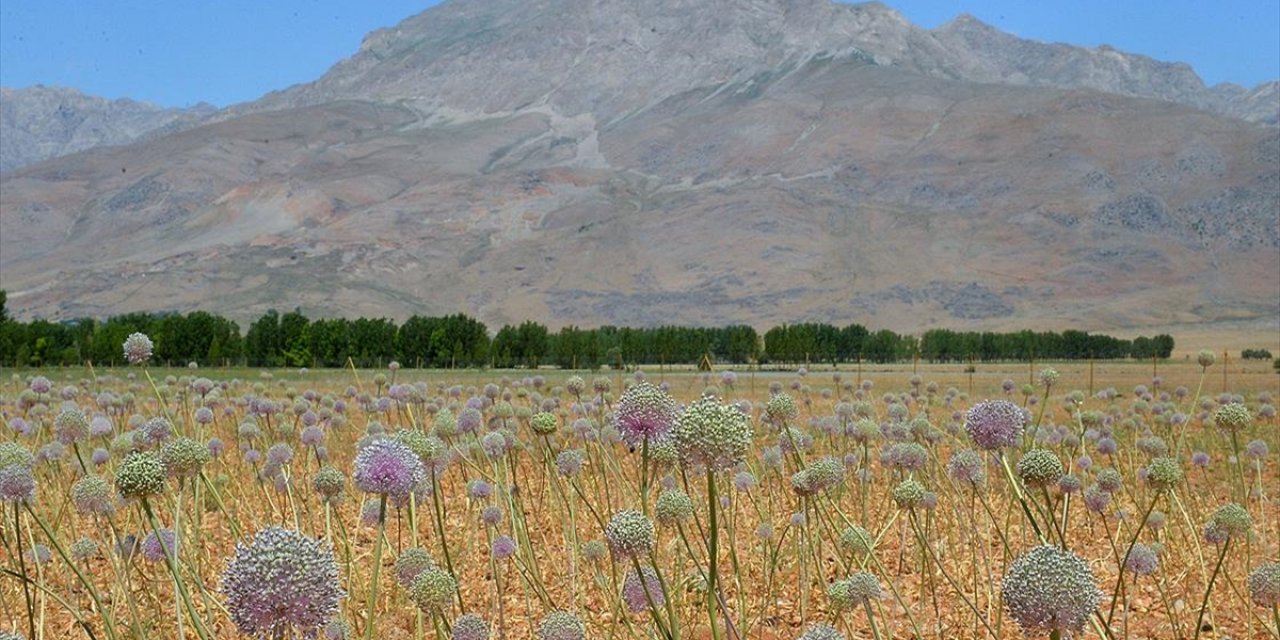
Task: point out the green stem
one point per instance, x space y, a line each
1204 604
1177 451
370 623
1235 450
644 477
924 543
170 559
648 596
1017 492
217 499
871 619
712 560
669 597
995 523
108 622
444 544
75 613
22 566
1125 559
177 538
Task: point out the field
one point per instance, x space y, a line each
830 474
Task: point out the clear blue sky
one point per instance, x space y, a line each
182 52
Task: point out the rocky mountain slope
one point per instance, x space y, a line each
986 54
677 161
38 123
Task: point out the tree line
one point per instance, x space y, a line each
943 345
292 339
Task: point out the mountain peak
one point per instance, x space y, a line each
605 57
966 21
609 58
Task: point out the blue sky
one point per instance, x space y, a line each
226 51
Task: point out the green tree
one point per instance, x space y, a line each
262 342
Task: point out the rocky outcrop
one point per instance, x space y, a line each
39 123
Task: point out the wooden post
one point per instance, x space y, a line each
915 362
1090 375
1031 370
1225 357
1153 367
859 369
971 370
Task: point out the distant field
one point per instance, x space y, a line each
781 543
1241 375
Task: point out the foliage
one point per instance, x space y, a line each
294 340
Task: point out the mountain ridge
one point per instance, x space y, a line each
42 122
873 29
962 49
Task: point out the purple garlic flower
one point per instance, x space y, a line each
645 411
154 548
503 547
1049 589
638 590
1142 560
40 385
17 484
491 516
388 467
282 580
995 424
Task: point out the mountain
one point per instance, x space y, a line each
38 123
986 54
677 161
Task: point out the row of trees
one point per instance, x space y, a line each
294 340
820 342
943 345
199 336
572 347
